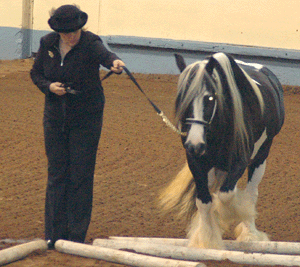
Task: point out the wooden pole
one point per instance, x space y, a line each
272 247
20 251
154 240
27 25
284 248
195 254
120 257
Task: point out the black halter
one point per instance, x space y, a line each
205 123
191 121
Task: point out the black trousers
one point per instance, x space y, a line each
71 153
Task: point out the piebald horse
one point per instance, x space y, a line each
229 112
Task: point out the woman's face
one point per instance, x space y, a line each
71 38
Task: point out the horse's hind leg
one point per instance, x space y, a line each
229 203
246 230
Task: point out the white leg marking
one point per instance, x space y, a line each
252 186
237 207
204 230
246 230
226 205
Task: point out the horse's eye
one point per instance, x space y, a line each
209 99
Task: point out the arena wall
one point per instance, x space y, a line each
146 33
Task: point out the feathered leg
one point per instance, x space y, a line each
204 231
246 230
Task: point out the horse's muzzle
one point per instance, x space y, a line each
195 150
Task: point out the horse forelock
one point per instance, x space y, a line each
190 85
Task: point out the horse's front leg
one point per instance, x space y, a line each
204 230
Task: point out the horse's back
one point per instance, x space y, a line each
272 93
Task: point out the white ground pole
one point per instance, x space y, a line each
195 254
21 251
120 257
273 247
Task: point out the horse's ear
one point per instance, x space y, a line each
210 65
180 62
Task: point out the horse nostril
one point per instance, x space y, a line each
195 149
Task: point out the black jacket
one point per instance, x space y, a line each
80 69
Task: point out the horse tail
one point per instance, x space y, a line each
179 196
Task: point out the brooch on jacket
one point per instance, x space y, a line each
50 53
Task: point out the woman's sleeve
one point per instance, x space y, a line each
102 54
37 71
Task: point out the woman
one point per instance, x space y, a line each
66 70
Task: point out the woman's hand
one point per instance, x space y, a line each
117 66
57 88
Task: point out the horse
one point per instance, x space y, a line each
228 112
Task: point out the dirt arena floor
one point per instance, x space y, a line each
138 155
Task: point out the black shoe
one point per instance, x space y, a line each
50 244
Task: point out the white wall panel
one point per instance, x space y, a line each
267 23
11 13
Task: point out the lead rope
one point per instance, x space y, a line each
158 111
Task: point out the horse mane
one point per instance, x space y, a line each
239 84
224 74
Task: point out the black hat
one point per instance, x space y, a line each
67 18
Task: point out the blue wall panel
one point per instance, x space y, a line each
148 55
10 43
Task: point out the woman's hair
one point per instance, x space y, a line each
53 9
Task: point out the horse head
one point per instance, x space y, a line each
196 104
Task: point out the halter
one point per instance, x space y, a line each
205 123
195 121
